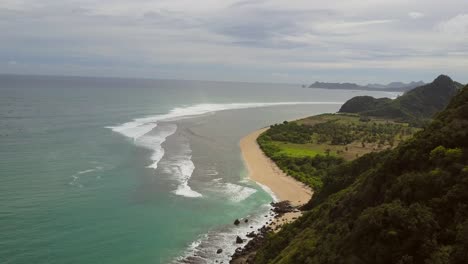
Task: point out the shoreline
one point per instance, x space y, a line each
263 170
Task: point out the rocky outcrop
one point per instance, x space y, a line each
246 254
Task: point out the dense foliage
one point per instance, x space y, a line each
338 132
407 205
289 132
363 103
415 106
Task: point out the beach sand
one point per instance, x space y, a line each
264 171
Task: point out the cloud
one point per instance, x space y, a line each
455 25
263 40
415 15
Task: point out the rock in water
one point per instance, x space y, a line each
239 240
251 234
219 251
237 222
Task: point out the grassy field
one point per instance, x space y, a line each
300 150
365 138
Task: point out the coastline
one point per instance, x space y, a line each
263 170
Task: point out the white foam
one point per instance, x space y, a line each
143 133
76 177
154 141
212 172
140 126
181 167
234 192
185 190
203 250
134 129
269 191
238 193
85 171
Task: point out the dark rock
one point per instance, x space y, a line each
239 240
251 234
247 253
246 220
282 207
219 251
237 222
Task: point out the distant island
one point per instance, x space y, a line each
391 87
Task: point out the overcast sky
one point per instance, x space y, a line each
263 40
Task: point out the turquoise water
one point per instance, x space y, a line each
80 184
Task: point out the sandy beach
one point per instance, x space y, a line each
264 171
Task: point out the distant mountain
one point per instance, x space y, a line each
345 86
393 86
420 103
397 85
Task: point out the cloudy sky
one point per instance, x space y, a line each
297 41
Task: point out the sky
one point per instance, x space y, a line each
293 41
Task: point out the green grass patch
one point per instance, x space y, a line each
299 150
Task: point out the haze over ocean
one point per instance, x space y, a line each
100 170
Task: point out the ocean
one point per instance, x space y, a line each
109 170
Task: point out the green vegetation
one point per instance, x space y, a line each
306 148
299 150
363 103
307 166
408 205
416 106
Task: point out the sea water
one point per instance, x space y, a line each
108 170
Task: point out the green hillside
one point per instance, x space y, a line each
406 205
415 106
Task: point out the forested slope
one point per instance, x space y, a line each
407 205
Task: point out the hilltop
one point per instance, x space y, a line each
416 105
391 87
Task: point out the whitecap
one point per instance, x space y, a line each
234 192
212 172
141 126
181 168
86 171
154 141
134 129
76 177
